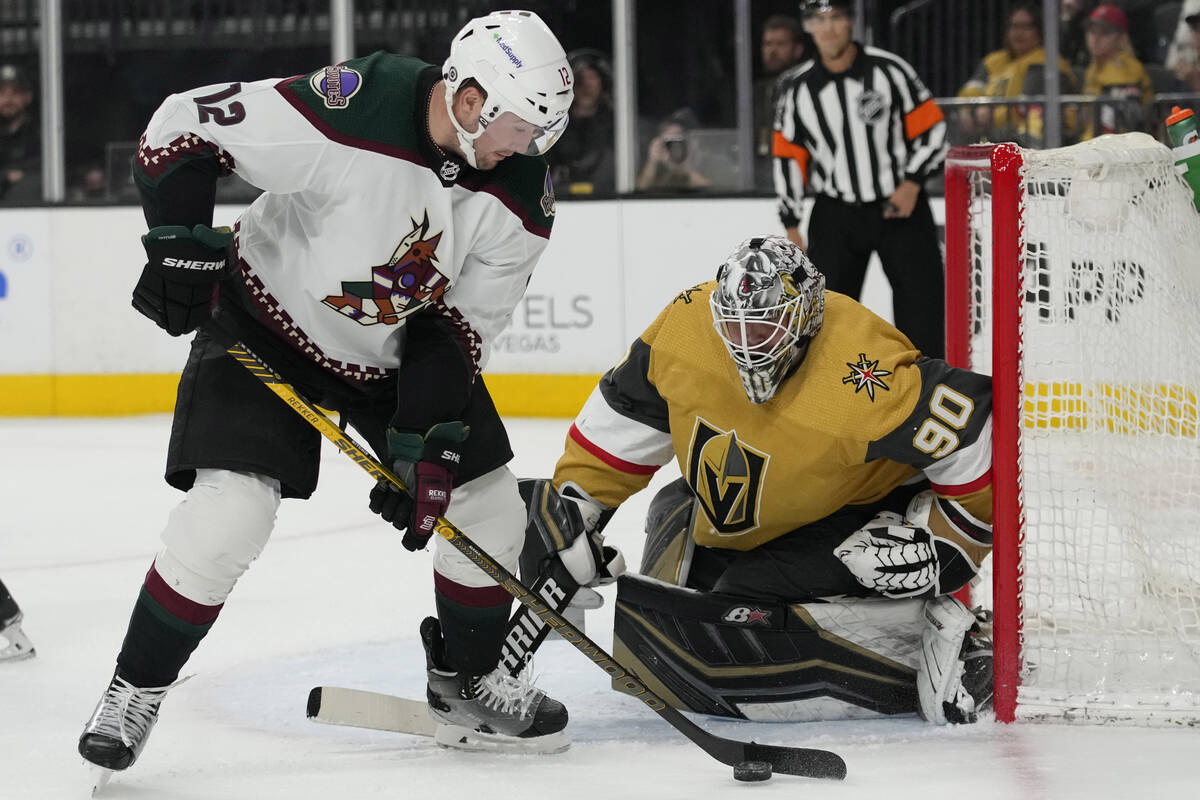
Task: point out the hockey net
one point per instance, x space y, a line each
1073 278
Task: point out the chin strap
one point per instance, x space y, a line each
466 140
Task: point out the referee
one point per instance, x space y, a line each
857 129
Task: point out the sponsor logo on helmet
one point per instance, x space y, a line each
508 51
336 85
726 476
866 374
747 615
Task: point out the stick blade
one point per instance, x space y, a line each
334 705
803 761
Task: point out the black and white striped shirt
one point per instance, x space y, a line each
856 135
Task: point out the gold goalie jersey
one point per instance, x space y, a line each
862 414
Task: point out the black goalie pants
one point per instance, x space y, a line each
841 238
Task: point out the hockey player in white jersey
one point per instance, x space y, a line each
404 209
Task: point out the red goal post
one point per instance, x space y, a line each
1072 278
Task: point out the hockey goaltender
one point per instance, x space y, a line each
836 490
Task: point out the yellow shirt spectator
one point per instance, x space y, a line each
1124 79
992 65
1026 76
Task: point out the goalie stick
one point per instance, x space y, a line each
806 762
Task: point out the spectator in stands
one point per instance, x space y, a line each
1022 37
582 161
1182 51
1017 69
89 184
1073 18
1114 73
672 156
1188 70
20 140
782 48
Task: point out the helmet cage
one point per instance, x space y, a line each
763 316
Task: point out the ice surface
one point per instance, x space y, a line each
336 600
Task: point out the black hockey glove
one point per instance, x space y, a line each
180 278
427 466
567 526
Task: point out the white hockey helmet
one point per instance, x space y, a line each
768 304
519 63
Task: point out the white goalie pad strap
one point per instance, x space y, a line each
212 536
939 673
489 510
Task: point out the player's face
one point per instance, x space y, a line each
507 135
755 335
831 30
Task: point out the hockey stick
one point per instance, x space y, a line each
806 762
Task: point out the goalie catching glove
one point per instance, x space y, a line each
566 525
426 464
179 282
934 549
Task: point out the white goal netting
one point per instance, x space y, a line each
1109 464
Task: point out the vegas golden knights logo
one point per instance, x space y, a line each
726 475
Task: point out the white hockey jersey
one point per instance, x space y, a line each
363 220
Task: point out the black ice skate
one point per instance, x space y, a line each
14 644
489 712
115 735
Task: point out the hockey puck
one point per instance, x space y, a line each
752 771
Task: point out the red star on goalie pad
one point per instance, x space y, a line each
758 616
866 375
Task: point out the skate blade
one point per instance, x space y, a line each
460 738
100 778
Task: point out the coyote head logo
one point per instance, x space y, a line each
408 280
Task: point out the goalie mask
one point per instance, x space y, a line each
521 67
767 306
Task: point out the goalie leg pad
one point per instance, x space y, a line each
743 658
954 681
667 553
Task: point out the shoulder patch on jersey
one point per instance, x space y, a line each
336 84
381 117
548 202
686 295
866 374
